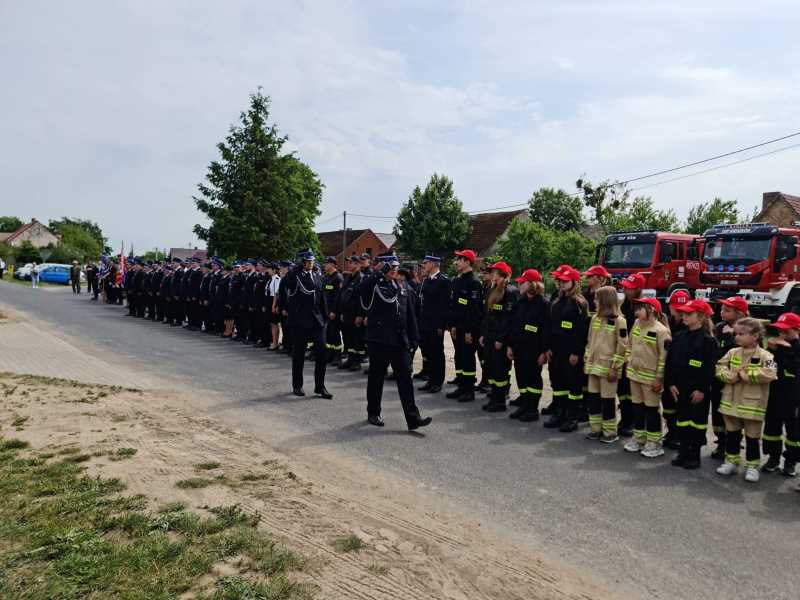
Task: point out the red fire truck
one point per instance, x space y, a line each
668 261
756 260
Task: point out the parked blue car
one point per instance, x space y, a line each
55 274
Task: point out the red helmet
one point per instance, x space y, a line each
566 273
597 271
652 302
529 275
468 254
634 281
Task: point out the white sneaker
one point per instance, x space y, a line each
633 446
652 450
727 468
751 475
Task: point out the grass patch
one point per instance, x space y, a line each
123 453
254 476
13 444
350 543
207 466
377 569
66 535
19 422
77 458
193 483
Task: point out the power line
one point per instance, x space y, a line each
370 216
718 167
329 220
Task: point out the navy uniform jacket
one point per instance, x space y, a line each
434 303
466 303
166 285
177 283
496 322
305 297
205 287
349 296
195 281
529 325
257 293
389 307
235 290
333 289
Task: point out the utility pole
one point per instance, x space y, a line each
344 236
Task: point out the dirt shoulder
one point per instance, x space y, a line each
405 548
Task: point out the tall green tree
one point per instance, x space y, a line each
705 216
556 209
10 224
613 209
530 245
432 220
59 226
260 200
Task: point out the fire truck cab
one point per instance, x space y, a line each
758 261
668 261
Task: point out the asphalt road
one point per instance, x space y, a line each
649 529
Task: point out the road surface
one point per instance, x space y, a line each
652 530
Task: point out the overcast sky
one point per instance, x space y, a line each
111 110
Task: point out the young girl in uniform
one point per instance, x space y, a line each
603 360
632 287
731 310
668 407
499 302
568 313
597 277
746 372
527 343
783 399
688 377
646 360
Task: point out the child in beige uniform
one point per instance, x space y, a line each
646 358
746 372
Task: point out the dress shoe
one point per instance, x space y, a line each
419 422
467 397
496 407
375 420
324 393
434 389
298 392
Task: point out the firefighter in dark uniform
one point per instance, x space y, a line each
235 297
434 301
165 294
633 285
244 301
192 288
176 314
392 336
283 307
348 311
307 318
155 310
204 298
256 305
360 334
466 312
131 291
332 284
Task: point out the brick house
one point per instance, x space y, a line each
357 241
779 209
34 232
487 229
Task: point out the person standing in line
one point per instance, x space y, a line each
435 306
466 312
392 335
91 280
271 306
348 312
2 267
528 341
333 282
307 320
494 328
35 276
633 287
75 277
669 410
747 372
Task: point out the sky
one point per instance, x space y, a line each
111 111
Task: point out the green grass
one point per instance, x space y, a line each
19 422
193 483
350 543
66 535
13 444
207 466
123 453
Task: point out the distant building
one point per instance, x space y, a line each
779 209
34 232
187 253
356 241
487 229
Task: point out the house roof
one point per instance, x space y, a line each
330 242
387 239
184 253
769 198
5 236
14 235
487 228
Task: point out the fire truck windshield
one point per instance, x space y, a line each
736 250
620 256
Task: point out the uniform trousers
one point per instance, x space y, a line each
567 382
301 337
692 419
333 339
432 348
529 375
498 371
782 416
381 356
466 367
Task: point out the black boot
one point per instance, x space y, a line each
693 460
682 455
518 401
556 418
522 406
570 423
531 409
456 393
467 396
